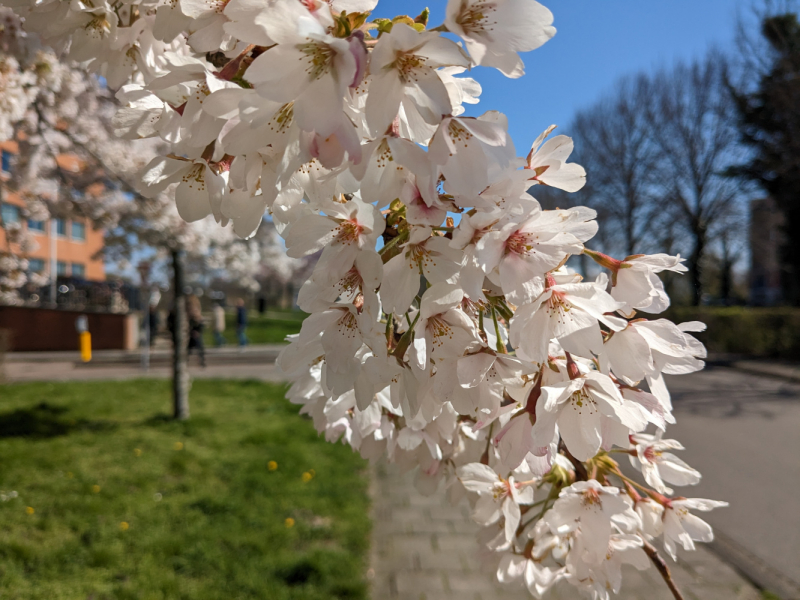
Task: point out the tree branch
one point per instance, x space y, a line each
663 569
580 468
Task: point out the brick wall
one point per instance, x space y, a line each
41 329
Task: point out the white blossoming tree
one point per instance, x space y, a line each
55 109
445 331
51 110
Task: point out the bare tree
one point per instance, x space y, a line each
693 123
613 142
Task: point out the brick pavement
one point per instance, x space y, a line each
425 549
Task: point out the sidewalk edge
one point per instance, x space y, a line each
761 574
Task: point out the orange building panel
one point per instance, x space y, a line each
75 246
76 241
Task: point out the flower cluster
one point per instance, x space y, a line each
445 331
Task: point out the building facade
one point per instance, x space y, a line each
67 246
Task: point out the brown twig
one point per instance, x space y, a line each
580 468
663 569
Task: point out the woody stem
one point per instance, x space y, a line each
485 455
662 568
580 468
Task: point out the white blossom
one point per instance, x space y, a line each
444 331
684 528
494 32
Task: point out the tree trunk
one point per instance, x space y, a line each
726 271
726 281
180 371
630 242
790 256
695 262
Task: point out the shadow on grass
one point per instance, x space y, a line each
189 427
45 421
300 573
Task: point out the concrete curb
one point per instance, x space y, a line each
761 574
786 371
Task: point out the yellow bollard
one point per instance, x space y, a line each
86 346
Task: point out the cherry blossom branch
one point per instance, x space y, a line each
391 244
522 526
232 67
405 340
500 346
312 144
630 481
485 455
389 330
503 308
662 568
580 469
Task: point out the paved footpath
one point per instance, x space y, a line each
425 549
18 372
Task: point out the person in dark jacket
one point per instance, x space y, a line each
241 322
196 326
152 323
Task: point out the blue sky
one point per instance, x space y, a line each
597 42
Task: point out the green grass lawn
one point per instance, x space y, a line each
117 501
271 328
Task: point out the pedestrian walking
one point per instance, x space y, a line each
241 322
152 323
196 326
219 325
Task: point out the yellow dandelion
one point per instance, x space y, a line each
289 522
96 489
307 476
29 510
272 465
123 526
137 452
70 475
178 445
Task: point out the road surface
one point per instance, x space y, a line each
742 432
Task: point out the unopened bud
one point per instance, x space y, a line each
572 368
604 260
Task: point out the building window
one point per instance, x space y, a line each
61 269
35 265
36 226
79 270
61 227
78 231
10 214
5 163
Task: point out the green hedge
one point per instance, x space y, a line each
757 332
